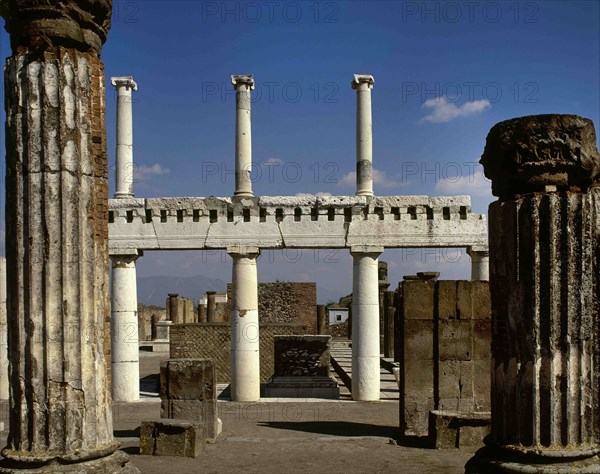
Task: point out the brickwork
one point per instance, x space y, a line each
212 341
285 302
444 331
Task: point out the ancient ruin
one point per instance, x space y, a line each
57 240
544 288
243 224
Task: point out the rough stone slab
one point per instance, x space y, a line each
455 340
482 339
188 379
455 379
115 463
448 429
204 411
418 340
171 437
303 356
447 299
417 298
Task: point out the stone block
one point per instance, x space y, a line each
464 300
482 339
481 300
448 429
446 299
418 340
482 384
455 339
455 379
204 411
188 379
414 416
303 387
418 379
417 299
162 437
302 356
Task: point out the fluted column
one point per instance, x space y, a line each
245 361
480 264
243 134
124 168
544 279
366 378
3 333
57 236
125 364
363 84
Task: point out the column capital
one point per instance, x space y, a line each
480 251
242 80
126 258
124 81
243 251
360 79
361 249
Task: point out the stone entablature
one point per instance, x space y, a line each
197 223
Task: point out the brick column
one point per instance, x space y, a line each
57 236
544 234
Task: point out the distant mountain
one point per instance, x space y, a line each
153 290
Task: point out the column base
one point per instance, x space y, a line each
494 460
115 463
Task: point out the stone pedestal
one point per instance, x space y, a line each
125 364
364 134
245 362
57 236
172 437
544 288
243 135
365 325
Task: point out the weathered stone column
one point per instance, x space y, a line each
202 316
480 264
3 333
544 283
365 324
389 310
211 306
364 134
243 134
245 362
124 169
321 319
57 236
173 308
125 363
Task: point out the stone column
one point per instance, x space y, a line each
202 316
245 362
154 330
365 324
480 264
321 319
383 285
125 364
173 308
124 169
243 134
544 283
57 240
364 134
389 310
3 333
211 306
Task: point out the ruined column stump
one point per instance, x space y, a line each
57 240
544 288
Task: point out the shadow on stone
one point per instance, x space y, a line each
335 428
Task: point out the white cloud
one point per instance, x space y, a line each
475 184
272 161
380 179
443 111
143 172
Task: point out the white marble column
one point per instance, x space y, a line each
124 169
364 134
480 264
125 366
3 333
243 134
365 324
245 362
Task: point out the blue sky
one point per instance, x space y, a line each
445 72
